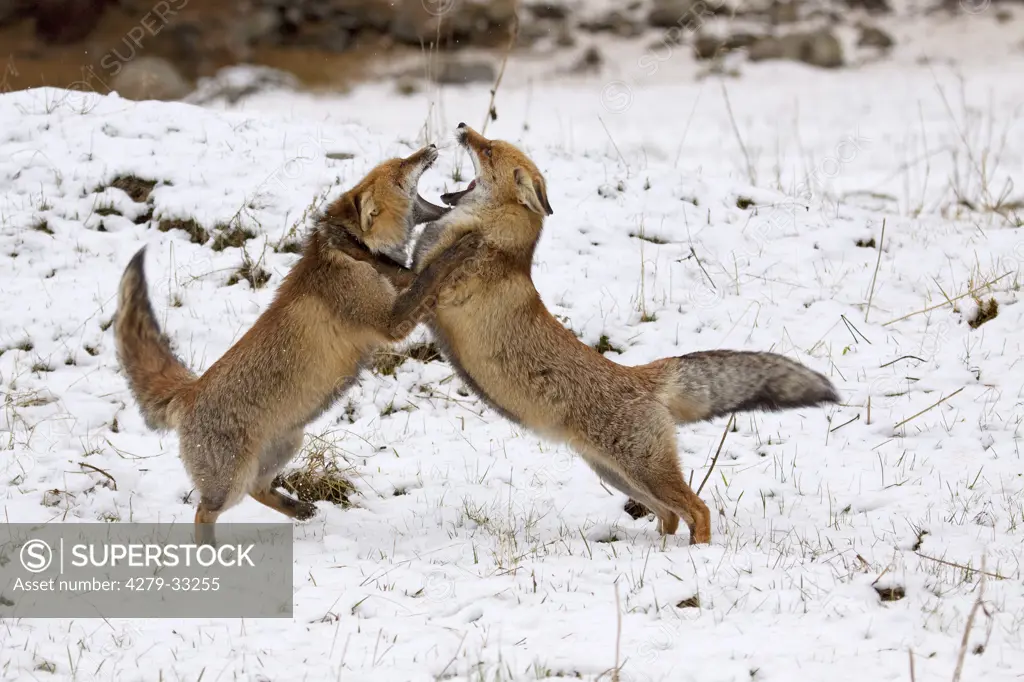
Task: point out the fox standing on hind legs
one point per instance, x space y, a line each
243 420
492 326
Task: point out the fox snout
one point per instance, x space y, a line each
423 211
424 157
467 137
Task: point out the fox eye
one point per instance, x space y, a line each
488 152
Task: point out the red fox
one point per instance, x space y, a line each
492 326
242 421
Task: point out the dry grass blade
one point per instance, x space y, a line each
751 173
972 292
616 146
970 624
319 478
386 360
618 633
930 407
714 460
614 672
952 564
874 277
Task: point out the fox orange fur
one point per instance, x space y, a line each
242 421
492 326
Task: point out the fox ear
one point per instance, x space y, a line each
530 192
366 209
345 211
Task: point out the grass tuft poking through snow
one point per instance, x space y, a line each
317 477
844 538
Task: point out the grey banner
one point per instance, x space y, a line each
145 570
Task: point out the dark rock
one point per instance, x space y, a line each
565 37
707 46
336 41
260 25
407 85
784 12
818 48
870 6
688 14
614 22
589 62
13 10
454 72
150 78
325 35
60 22
668 13
235 83
530 32
199 45
548 10
375 14
871 36
485 23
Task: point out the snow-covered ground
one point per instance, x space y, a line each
477 551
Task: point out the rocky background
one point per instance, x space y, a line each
170 49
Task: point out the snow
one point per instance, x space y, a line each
477 551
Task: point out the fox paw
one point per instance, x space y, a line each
635 509
304 510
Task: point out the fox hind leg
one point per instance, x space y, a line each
206 517
274 457
663 480
222 483
289 506
647 470
668 520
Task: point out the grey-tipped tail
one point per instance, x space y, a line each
155 375
716 383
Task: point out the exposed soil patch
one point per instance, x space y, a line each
196 233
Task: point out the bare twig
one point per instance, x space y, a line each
714 460
492 113
99 471
881 241
854 332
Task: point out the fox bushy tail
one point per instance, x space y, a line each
711 384
155 375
